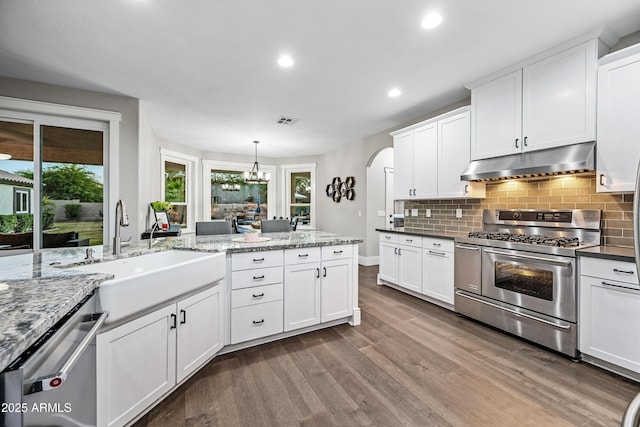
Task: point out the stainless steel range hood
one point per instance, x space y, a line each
577 158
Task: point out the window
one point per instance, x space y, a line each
22 204
231 198
300 193
178 172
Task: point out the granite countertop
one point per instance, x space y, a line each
37 290
451 235
615 253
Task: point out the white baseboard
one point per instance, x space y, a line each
368 260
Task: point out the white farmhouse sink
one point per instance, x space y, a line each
148 280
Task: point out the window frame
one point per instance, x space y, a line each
39 114
191 164
287 170
209 165
25 196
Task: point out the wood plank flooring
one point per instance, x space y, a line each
409 363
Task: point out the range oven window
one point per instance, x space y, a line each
524 280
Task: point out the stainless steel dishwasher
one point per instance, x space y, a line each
53 383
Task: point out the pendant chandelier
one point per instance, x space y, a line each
256 176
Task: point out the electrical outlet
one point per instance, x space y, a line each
406 212
428 214
414 212
382 213
458 213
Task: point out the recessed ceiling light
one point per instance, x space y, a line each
394 93
432 20
285 61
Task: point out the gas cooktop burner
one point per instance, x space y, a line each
533 239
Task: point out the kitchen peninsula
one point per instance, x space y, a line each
293 283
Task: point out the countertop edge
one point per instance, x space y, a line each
449 235
613 253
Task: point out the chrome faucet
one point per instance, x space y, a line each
155 227
122 220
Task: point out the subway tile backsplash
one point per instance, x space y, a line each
565 192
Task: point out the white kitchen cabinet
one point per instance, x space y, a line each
608 315
400 260
440 152
140 361
438 268
256 295
318 286
388 257
415 163
547 103
454 157
618 124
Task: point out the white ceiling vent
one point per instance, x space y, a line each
284 120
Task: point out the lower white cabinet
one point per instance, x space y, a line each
609 307
318 285
438 278
423 265
140 361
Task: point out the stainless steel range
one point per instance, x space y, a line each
519 273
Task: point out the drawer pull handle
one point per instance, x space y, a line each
409 240
387 237
337 252
303 255
437 253
623 271
258 322
258 259
258 295
615 286
437 244
258 277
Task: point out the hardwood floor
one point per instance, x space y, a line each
409 363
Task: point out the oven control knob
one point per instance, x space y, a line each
55 382
516 215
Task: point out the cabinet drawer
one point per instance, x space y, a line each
438 244
256 295
301 256
256 321
609 269
389 237
245 261
415 241
336 252
256 277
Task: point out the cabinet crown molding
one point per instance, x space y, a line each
431 120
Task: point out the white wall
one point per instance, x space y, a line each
376 202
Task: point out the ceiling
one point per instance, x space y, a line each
206 71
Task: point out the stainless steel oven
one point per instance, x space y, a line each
519 273
53 383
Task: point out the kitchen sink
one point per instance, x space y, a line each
146 281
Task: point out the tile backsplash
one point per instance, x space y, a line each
565 192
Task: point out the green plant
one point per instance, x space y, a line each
24 222
8 223
160 206
72 211
48 218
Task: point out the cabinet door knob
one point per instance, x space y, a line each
317 273
525 141
324 271
184 317
174 318
517 139
466 189
602 179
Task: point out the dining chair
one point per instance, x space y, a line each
205 228
274 225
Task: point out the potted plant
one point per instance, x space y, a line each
251 235
160 206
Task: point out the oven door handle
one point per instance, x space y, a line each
535 258
514 312
53 381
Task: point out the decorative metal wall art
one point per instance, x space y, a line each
339 189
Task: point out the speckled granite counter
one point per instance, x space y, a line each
451 235
615 253
37 290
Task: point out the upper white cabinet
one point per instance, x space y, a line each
548 102
618 122
415 163
430 156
